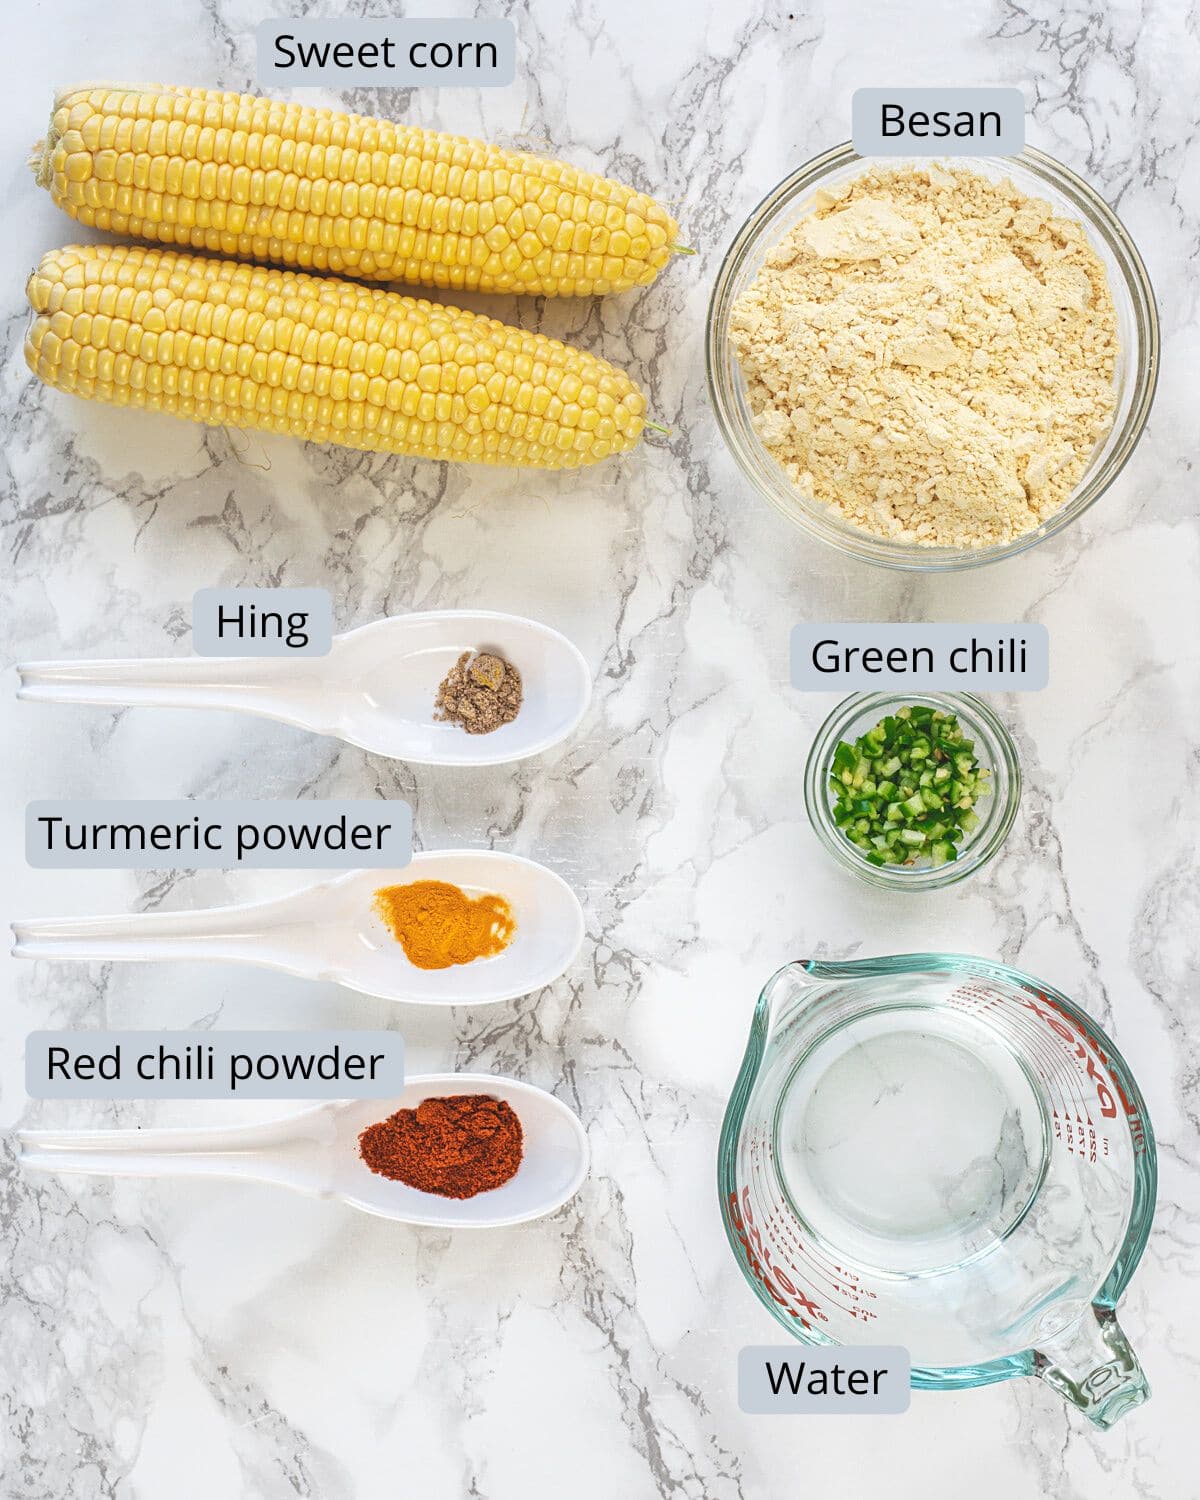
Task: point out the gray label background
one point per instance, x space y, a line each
941 639
314 603
869 140
388 1082
396 848
756 1396
404 35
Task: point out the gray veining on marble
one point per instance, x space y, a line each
209 1340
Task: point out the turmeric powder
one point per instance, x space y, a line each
438 925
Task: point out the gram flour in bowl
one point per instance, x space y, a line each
932 354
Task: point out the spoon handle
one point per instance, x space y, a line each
258 1152
215 933
186 682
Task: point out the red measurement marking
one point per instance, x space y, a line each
975 997
1104 1095
828 1281
1055 1067
1088 1050
742 1218
1080 1137
1057 1071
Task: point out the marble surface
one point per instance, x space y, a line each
218 1340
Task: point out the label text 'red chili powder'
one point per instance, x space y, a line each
455 1145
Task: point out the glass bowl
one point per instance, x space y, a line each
1036 175
994 750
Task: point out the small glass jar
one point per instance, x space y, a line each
994 750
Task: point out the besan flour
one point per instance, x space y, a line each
932 355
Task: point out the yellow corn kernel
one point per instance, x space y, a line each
173 165
228 343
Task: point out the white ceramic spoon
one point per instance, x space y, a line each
375 689
331 932
316 1152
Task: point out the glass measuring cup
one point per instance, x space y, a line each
943 1153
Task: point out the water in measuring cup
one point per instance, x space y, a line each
911 1140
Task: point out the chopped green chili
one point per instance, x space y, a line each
906 790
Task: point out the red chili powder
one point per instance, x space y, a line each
455 1145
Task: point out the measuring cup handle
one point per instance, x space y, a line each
1091 1365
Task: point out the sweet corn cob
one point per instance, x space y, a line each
249 346
327 191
